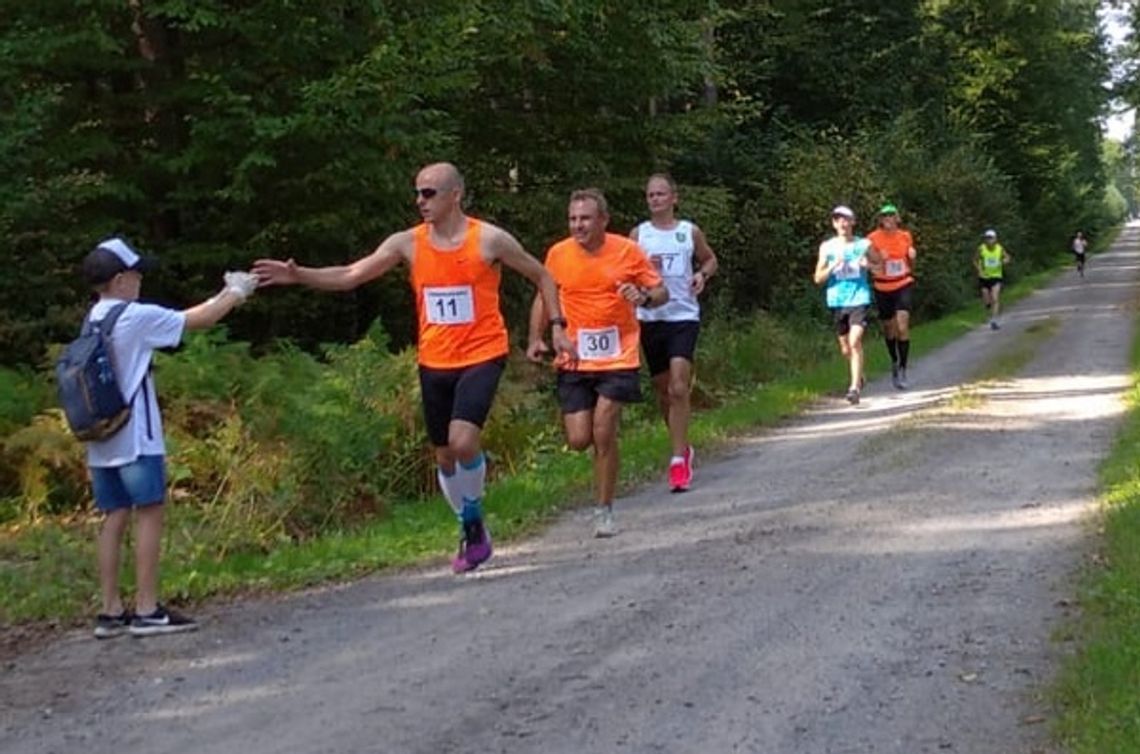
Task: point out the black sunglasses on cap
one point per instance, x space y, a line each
425 193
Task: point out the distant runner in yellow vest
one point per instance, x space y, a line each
990 261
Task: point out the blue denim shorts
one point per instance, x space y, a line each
142 482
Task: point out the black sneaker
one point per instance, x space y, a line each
161 621
110 626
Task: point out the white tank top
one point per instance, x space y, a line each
671 252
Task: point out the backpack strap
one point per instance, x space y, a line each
106 324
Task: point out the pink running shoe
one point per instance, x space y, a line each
474 549
681 473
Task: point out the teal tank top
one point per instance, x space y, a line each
850 285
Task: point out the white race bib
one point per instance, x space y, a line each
895 268
449 306
848 271
669 265
991 263
600 343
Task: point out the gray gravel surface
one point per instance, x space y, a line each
887 578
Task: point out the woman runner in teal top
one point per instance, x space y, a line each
843 266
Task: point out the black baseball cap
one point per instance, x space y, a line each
112 257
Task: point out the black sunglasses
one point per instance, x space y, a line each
425 193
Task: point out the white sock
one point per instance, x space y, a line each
676 460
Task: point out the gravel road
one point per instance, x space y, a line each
888 578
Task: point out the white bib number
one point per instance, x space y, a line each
449 306
601 343
895 268
848 271
991 263
669 265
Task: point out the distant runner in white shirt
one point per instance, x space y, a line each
1080 244
669 332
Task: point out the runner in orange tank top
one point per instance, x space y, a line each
455 270
601 278
892 252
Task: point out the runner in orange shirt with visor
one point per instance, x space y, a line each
892 275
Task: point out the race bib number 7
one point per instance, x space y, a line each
669 265
449 306
600 343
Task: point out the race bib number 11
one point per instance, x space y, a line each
449 306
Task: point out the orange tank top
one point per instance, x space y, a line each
895 248
457 300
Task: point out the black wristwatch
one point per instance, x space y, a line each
560 321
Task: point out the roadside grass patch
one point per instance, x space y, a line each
1096 692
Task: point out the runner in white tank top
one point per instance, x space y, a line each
680 252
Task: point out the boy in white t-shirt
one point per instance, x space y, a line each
128 469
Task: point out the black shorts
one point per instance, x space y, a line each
890 302
662 341
848 317
988 283
579 391
465 393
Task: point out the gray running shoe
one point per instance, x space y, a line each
604 522
994 325
896 376
901 383
853 397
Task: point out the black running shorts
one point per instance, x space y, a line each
579 391
465 393
890 302
663 341
988 283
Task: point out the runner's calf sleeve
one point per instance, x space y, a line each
471 478
904 352
472 511
449 484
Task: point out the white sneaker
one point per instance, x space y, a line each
604 522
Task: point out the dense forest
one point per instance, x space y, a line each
213 133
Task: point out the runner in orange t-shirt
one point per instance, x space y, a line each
455 270
892 275
601 278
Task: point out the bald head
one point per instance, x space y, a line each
443 175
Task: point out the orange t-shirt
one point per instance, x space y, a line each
895 247
457 300
600 322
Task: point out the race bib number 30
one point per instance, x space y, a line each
449 306
602 343
896 268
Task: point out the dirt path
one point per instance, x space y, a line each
883 579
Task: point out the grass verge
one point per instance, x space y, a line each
1097 689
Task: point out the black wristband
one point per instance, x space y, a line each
560 321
